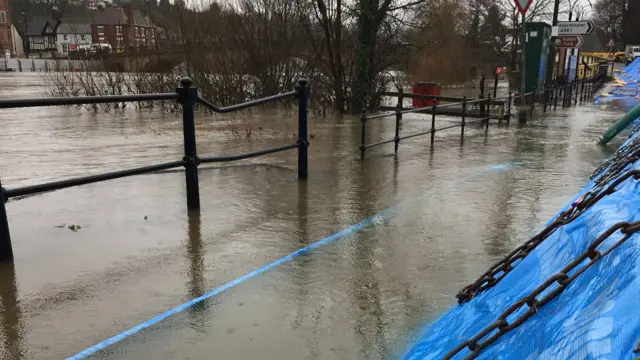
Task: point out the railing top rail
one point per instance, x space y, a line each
409 111
247 104
84 100
420 96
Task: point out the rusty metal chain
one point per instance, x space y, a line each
499 270
621 155
502 326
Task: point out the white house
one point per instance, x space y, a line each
70 36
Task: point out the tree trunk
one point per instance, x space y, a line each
363 81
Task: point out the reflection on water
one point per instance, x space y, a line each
457 207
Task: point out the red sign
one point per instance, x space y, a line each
523 5
499 70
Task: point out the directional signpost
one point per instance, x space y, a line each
569 42
570 28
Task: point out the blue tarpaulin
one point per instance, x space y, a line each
596 317
623 91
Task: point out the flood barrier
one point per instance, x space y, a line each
569 292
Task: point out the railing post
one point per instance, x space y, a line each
396 140
509 108
582 90
555 96
363 133
464 112
533 104
6 251
434 108
303 137
576 88
188 96
488 112
544 99
482 79
495 84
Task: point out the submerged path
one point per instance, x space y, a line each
453 210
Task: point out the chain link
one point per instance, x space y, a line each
499 270
531 302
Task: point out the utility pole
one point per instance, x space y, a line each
551 59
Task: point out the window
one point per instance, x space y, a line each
81 37
65 49
65 37
3 17
119 30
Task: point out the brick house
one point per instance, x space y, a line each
6 38
122 28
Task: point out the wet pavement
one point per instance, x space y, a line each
448 213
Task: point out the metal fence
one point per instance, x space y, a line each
483 115
188 97
489 108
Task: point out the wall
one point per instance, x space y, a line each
6 40
72 39
18 45
39 65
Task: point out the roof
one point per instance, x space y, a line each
72 28
37 24
108 16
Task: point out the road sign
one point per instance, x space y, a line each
523 5
611 43
575 27
569 42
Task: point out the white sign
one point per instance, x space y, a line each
523 5
611 43
575 27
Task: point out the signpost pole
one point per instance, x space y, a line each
524 57
551 59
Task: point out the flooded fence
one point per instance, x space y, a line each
455 107
481 112
188 97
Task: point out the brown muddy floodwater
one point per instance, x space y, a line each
454 209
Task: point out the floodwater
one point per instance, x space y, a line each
448 212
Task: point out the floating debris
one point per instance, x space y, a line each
75 228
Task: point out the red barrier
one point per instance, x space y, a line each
428 88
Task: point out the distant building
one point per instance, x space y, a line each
72 36
117 28
123 28
41 37
6 38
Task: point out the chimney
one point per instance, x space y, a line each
128 11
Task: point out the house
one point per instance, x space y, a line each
6 38
119 27
71 36
41 37
123 28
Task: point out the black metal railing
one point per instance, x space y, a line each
188 97
567 94
454 107
572 93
